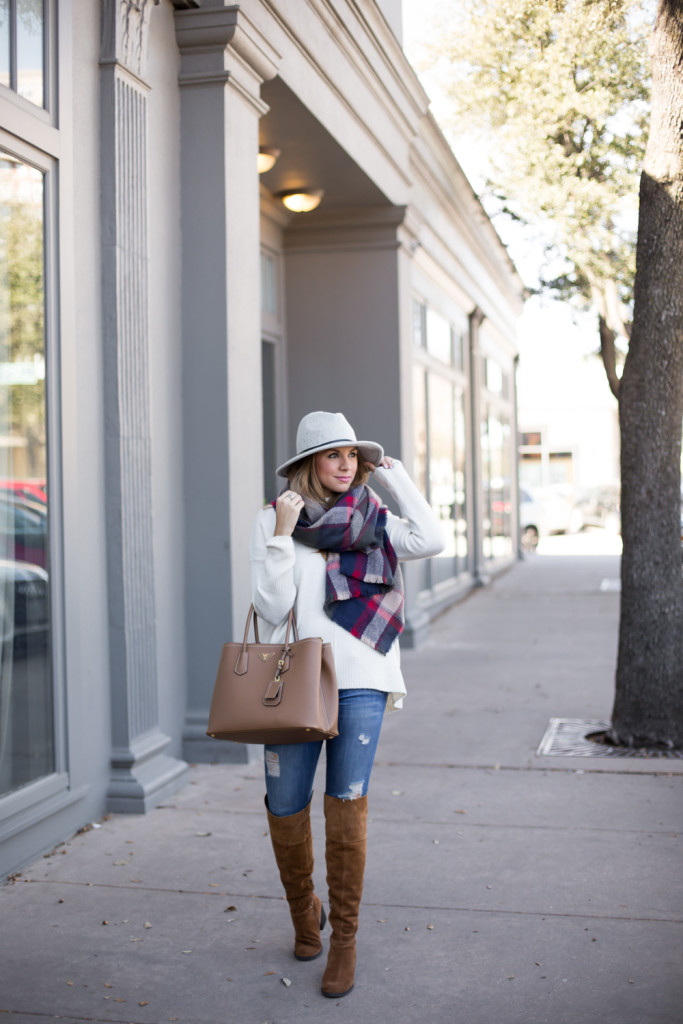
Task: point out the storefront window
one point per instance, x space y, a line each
497 473
439 337
442 470
26 705
421 456
441 436
22 47
268 285
460 508
419 313
4 44
420 430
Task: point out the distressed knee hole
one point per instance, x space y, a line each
364 739
272 763
355 791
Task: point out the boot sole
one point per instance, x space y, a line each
338 995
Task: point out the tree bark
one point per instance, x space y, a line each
648 706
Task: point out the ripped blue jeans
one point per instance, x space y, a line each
290 767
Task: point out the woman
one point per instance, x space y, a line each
330 548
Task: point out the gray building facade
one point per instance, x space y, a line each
165 320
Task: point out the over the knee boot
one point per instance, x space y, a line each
293 847
345 825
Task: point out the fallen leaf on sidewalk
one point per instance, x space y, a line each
430 927
229 909
269 973
121 863
186 950
70 983
214 885
143 1002
202 835
147 924
461 812
107 985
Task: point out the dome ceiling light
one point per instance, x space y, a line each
302 200
267 155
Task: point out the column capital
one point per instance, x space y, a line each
220 45
125 34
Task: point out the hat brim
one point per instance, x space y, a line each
369 452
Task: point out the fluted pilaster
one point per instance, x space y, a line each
141 772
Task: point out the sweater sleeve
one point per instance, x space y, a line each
417 533
272 569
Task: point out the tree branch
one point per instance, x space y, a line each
608 353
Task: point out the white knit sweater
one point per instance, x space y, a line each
284 571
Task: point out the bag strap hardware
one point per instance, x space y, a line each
242 663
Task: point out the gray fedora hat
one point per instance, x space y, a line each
318 431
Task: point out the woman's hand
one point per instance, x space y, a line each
386 463
287 511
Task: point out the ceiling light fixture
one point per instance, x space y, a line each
302 200
267 155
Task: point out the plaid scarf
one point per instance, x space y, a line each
364 585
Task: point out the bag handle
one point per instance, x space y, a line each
242 663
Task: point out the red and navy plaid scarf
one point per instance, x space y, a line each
364 585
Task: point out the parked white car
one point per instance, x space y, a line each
545 512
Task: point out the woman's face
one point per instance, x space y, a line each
336 468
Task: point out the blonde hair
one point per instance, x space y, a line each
304 479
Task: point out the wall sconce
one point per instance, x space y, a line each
302 200
267 155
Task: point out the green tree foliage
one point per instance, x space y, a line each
22 324
563 89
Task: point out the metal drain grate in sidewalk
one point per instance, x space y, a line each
569 737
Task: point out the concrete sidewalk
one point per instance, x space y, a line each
501 888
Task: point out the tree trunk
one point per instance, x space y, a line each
648 707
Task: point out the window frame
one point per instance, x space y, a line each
20 807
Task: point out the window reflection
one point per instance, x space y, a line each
22 48
26 711
4 43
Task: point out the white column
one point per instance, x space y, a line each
224 61
141 773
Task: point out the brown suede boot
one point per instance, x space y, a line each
345 824
293 847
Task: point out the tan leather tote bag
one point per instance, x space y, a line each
275 693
